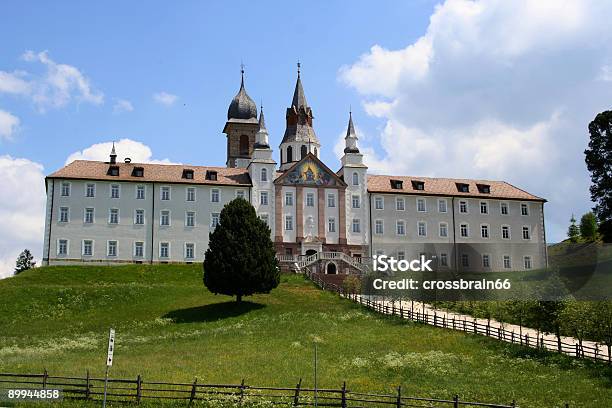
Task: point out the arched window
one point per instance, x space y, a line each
289 154
315 152
264 174
244 145
355 179
303 151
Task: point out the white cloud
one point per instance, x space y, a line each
493 89
8 124
137 151
21 210
122 105
165 98
14 83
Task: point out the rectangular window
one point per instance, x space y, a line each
484 207
507 262
113 216
90 191
214 195
505 232
331 200
401 228
486 261
465 260
356 226
88 247
65 189
288 223
264 175
527 262
214 220
331 224
164 249
62 247
464 230
443 259
165 193
240 194
263 198
524 209
526 233
64 212
503 208
112 248
309 199
443 230
189 251
378 227
422 229
265 218
421 205
115 191
139 218
139 249
355 201
442 206
190 219
463 207
378 203
400 204
484 231
140 192
191 194
288 199
165 218
401 255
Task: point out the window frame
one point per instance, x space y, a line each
69 189
110 216
400 200
161 218
161 247
115 187
487 228
379 223
190 214
108 248
134 254
136 211
418 205
424 224
467 229
187 191
141 187
263 194
440 224
445 201
164 189
91 246
401 223
59 245
382 203
213 195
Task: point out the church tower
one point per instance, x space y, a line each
241 127
300 138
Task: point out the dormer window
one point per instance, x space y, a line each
418 185
211 175
484 188
138 172
463 187
113 171
397 184
188 174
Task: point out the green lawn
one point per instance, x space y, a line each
169 327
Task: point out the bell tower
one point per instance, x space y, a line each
241 127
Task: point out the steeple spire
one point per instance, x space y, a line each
299 99
351 137
113 155
261 138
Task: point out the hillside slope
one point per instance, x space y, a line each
169 327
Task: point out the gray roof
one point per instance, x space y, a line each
299 99
350 134
302 131
242 106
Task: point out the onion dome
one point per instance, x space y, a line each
242 106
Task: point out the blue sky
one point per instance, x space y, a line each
485 89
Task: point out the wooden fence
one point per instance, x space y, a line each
137 390
469 326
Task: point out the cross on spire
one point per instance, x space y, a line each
298 67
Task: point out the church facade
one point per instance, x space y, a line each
123 212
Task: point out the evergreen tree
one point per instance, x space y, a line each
240 259
573 232
598 159
588 227
25 261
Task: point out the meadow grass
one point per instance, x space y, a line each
170 328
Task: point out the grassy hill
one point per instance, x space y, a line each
169 327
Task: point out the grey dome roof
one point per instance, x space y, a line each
242 106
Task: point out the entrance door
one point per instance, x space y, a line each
331 268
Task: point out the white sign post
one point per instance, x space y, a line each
109 360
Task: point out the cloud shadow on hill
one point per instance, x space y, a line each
212 312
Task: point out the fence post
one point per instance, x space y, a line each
45 376
87 391
192 395
296 397
577 351
513 404
344 394
399 396
456 401
241 391
138 388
